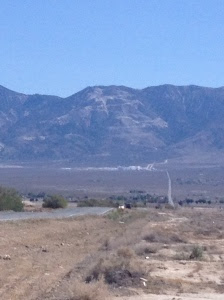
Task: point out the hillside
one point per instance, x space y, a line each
112 124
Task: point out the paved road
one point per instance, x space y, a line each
55 214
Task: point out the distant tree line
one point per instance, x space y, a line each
189 201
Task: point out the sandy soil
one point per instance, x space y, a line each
41 259
43 252
210 296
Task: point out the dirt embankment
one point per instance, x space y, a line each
127 255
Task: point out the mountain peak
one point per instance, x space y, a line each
111 124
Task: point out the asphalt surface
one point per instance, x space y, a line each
54 214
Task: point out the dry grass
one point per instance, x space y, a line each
90 291
162 236
118 269
96 257
144 249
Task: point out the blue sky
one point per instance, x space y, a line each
61 46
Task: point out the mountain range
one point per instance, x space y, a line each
112 124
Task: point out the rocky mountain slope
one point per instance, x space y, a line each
111 124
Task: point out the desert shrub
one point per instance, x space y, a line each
145 249
90 291
181 256
207 226
175 238
120 269
115 214
97 203
10 200
163 237
106 245
151 237
126 253
55 201
197 253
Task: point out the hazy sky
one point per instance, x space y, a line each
61 46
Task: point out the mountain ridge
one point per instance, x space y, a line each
111 124
116 86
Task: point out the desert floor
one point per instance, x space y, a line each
134 254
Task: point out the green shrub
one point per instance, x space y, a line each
10 200
197 253
115 214
55 201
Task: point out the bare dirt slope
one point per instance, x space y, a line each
43 252
175 297
134 255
